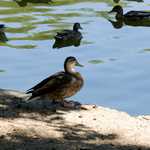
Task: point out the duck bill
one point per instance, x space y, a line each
79 65
111 11
81 28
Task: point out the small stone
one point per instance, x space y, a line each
95 106
7 138
81 116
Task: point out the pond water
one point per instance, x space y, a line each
116 61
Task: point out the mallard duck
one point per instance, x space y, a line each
60 85
131 15
2 28
69 34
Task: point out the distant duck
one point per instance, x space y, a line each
131 15
2 28
69 34
60 85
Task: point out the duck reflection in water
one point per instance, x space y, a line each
61 44
117 1
131 18
120 23
23 3
3 37
2 28
66 38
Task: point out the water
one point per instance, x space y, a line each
116 61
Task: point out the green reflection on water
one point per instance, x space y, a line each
24 29
22 19
2 70
39 21
96 61
112 59
25 47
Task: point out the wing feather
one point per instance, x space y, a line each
50 84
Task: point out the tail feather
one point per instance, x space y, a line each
30 90
32 99
57 37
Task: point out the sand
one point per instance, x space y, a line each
42 125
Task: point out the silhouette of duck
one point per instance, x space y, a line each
60 85
116 1
2 28
120 23
62 44
3 37
23 3
69 34
131 15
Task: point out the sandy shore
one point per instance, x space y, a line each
43 125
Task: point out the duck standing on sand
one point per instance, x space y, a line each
65 35
131 15
60 85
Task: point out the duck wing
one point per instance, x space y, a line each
140 14
57 81
64 32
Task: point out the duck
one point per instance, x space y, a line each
2 28
65 35
131 15
60 85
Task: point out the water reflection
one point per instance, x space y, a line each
117 1
119 23
61 44
95 61
23 3
3 37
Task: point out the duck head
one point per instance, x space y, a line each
69 63
77 26
118 9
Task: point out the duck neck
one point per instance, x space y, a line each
75 29
120 12
69 69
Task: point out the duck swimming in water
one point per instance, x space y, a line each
60 85
131 15
65 35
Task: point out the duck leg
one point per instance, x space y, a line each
63 103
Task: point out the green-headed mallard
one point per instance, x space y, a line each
69 34
131 15
60 85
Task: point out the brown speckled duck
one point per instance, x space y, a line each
60 85
65 35
131 15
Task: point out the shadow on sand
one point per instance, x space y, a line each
29 127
